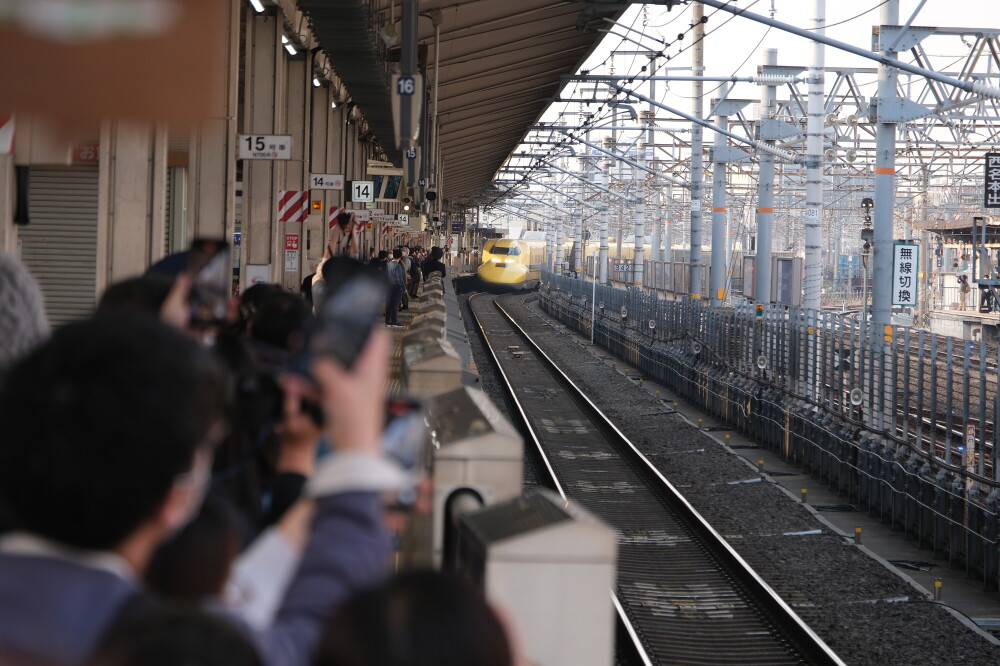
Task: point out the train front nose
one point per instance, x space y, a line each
502 272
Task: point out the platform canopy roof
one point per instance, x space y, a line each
958 229
500 65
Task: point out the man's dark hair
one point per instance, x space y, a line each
170 636
419 618
344 220
397 254
252 297
194 564
280 316
145 293
98 423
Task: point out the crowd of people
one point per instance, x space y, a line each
175 492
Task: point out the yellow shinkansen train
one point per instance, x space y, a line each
517 263
512 262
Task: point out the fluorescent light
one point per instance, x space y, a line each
333 104
316 82
288 45
258 5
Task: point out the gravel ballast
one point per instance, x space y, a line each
864 611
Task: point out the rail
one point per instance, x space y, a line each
920 448
757 623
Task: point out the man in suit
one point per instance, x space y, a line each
107 447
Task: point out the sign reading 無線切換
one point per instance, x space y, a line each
905 260
265 147
991 185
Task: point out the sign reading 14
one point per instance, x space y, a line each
362 191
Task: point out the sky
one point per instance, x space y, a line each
735 45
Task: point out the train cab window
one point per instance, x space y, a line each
507 250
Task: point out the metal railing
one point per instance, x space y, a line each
903 422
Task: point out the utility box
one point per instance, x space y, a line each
478 458
431 368
551 565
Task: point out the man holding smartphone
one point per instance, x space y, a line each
397 283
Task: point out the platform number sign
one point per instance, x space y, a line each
992 181
362 191
265 147
405 85
326 181
905 257
411 153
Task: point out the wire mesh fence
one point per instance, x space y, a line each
902 420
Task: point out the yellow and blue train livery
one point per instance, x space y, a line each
511 262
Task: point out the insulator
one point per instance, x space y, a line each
772 79
980 88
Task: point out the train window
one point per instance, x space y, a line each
507 250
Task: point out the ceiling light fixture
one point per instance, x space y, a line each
258 5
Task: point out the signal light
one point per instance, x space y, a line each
760 309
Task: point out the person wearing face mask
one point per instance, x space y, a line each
109 431
97 467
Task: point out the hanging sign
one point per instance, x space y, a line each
265 147
326 181
992 181
904 273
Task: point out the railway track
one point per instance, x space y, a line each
683 594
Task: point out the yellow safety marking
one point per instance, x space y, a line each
721 294
885 170
765 210
695 295
719 209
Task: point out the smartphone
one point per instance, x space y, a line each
405 440
210 267
346 318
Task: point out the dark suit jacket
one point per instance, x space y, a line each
54 612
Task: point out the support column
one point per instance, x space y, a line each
578 255
550 240
813 283
639 232
601 179
717 275
297 108
697 170
212 177
8 230
131 205
263 114
885 199
765 192
559 241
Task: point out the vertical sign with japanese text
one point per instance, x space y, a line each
291 253
991 184
905 257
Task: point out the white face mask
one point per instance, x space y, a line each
195 482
